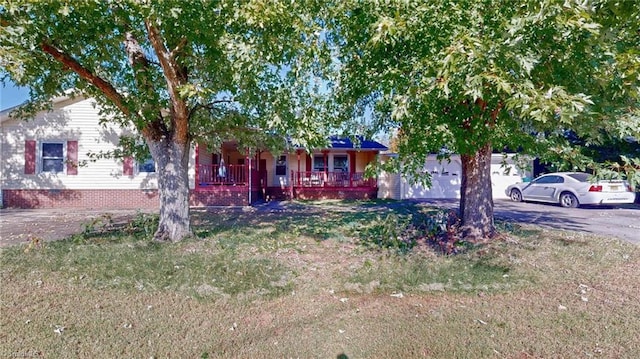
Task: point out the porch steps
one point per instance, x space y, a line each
278 194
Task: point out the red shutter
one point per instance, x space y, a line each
29 157
308 163
127 166
72 158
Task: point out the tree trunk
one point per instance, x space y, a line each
172 161
476 200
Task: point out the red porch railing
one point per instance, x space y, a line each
222 175
331 179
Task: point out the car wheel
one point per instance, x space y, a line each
515 195
568 200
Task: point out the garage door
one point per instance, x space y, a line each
445 181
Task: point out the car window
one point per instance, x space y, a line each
582 177
549 179
545 180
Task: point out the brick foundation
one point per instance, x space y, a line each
104 198
123 199
220 196
148 199
335 193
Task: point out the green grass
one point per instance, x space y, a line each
321 279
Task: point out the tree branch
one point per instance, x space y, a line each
109 91
174 77
155 128
213 103
208 106
178 48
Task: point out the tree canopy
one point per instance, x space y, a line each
177 72
234 65
474 76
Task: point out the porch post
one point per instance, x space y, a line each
261 185
291 190
326 160
352 166
248 162
197 176
298 152
326 166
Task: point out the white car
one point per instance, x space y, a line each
572 189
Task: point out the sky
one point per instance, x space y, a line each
11 95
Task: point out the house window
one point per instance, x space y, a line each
281 166
52 156
341 163
318 163
148 166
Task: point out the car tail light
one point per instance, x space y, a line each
629 189
595 188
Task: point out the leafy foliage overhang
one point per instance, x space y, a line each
516 75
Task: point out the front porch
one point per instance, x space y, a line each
332 185
229 176
225 177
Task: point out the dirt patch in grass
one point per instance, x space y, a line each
302 284
22 226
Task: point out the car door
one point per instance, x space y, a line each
551 189
541 189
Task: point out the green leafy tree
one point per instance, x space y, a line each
175 71
475 76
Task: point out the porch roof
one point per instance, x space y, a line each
363 144
336 142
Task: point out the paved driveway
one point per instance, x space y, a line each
620 222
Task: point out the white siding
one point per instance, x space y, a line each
446 179
71 120
389 186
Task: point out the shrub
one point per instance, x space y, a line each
442 231
391 232
439 228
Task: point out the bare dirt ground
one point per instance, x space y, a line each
25 225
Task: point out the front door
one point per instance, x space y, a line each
281 170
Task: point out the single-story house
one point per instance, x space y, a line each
45 164
446 178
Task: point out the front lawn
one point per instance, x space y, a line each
323 279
